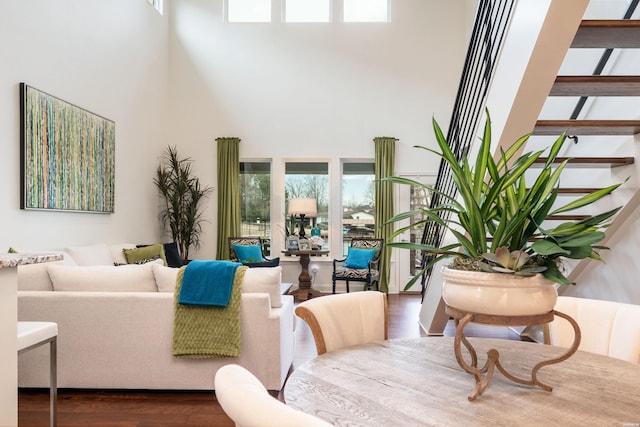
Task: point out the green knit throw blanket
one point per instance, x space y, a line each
201 332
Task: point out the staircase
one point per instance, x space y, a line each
604 150
595 34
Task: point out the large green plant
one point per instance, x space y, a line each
181 213
495 212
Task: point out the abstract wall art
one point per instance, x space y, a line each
67 155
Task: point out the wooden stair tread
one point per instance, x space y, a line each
575 190
567 217
587 127
590 162
596 86
569 190
619 33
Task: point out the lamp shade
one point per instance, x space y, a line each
303 206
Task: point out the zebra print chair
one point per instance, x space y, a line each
369 272
251 241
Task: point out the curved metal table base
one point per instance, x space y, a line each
484 374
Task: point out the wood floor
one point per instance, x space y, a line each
126 408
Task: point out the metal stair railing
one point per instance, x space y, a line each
491 23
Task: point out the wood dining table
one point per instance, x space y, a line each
417 382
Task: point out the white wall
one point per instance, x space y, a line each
185 78
312 90
111 58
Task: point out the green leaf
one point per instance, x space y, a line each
545 247
584 239
553 274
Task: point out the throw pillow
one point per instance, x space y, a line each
165 277
103 278
172 254
359 258
248 253
34 277
146 252
264 280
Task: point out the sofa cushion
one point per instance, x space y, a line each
117 252
146 252
98 254
264 280
165 277
127 278
34 277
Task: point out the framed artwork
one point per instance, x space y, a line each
292 243
304 245
67 155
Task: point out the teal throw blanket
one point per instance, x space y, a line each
208 283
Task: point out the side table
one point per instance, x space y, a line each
463 318
305 290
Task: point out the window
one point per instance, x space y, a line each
309 179
249 10
307 10
365 11
157 4
255 200
358 202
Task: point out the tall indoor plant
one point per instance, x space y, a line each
497 218
182 194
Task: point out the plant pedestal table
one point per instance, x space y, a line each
304 280
484 374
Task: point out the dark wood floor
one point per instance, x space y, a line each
125 408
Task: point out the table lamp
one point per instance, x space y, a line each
302 207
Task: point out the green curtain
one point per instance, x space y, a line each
228 193
385 153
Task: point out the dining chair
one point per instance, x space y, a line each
248 403
250 252
343 320
608 328
362 263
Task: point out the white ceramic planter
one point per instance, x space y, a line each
498 293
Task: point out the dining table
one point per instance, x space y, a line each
418 382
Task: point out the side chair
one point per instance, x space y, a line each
248 403
608 328
343 320
252 252
362 263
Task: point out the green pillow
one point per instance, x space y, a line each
248 253
359 258
146 252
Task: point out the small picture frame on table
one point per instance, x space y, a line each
292 243
304 245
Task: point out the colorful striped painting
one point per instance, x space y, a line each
67 155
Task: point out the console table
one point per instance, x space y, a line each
304 280
9 331
417 382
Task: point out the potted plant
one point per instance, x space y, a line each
497 221
181 213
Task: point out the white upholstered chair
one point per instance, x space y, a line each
245 400
608 328
343 320
35 334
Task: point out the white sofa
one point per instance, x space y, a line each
122 339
